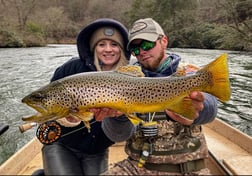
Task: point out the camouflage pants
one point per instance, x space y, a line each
129 167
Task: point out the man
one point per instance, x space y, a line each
166 143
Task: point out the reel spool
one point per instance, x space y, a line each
48 132
149 129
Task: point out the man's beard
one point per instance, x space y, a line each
155 63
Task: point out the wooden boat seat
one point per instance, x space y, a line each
231 147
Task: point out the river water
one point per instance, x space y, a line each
26 69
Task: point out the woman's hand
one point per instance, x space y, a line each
69 121
101 113
198 103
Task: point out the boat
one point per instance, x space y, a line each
230 153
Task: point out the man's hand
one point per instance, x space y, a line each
101 113
198 103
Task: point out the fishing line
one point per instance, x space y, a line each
77 130
153 115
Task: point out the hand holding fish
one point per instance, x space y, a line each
197 98
101 113
69 121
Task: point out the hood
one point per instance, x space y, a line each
85 34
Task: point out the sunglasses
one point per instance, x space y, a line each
144 45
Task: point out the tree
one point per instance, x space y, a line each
77 10
238 14
171 14
24 9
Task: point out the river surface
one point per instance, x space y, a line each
26 69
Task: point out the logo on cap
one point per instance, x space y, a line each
138 27
108 31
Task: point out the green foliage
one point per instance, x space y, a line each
234 41
244 9
140 9
34 40
34 28
10 39
169 13
34 35
194 24
206 35
219 24
210 35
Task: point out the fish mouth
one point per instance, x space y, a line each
32 118
38 107
42 114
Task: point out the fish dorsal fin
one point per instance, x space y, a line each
179 72
131 70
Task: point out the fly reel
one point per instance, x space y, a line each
48 132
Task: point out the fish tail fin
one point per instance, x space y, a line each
219 85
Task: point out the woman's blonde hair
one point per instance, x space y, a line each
121 62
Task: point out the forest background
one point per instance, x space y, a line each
206 24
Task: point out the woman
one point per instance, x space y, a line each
101 47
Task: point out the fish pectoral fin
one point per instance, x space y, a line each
82 115
134 119
179 72
87 125
85 116
131 70
185 108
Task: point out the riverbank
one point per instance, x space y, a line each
213 37
12 39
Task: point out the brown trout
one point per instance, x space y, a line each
128 91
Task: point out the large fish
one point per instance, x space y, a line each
127 91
